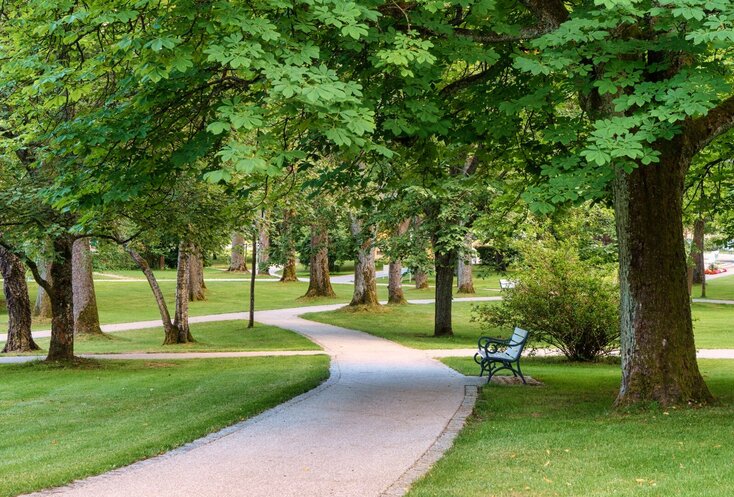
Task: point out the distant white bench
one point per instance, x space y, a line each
507 284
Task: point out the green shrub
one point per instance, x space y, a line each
561 300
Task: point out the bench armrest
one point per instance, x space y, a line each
490 344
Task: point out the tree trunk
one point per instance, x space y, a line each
86 315
162 262
253 277
42 307
395 295
61 347
157 293
263 259
320 282
289 269
196 276
421 279
697 250
365 282
465 280
657 347
181 317
238 263
18 303
445 267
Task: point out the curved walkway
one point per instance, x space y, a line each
374 426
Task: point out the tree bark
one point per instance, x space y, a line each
42 307
168 328
61 294
465 280
445 267
18 303
421 279
320 282
86 315
699 269
253 276
365 282
181 317
395 294
263 259
196 275
289 269
238 262
657 346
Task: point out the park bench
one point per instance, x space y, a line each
506 284
495 354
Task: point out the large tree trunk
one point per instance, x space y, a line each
196 275
465 280
320 282
238 262
421 279
289 269
365 283
657 347
395 295
699 269
42 307
61 347
181 317
86 315
18 303
445 267
263 259
157 293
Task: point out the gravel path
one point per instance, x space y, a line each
386 413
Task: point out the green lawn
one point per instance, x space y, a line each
563 439
60 424
720 288
224 336
412 325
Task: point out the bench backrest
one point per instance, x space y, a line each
519 337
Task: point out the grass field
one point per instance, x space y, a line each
60 424
412 325
225 336
719 288
563 439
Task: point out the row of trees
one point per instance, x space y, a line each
112 110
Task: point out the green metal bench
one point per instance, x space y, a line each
495 354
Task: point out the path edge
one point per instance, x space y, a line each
438 448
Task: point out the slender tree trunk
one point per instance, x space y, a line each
86 315
42 307
320 282
657 347
61 347
697 250
18 302
445 267
395 295
421 279
181 317
289 269
365 282
157 293
251 320
465 280
238 262
196 275
263 259
162 262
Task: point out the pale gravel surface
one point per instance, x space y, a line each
385 409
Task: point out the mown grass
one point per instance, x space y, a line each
412 325
225 336
719 288
64 423
564 439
